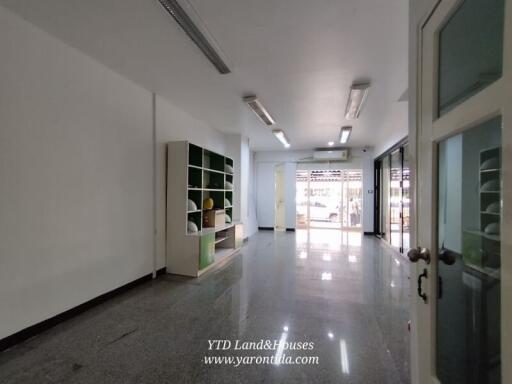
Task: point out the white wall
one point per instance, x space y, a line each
79 148
265 162
251 225
237 147
265 193
76 186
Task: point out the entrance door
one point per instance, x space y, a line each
329 199
280 209
462 302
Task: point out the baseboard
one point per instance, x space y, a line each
290 229
44 325
369 233
266 228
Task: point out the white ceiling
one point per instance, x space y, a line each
298 56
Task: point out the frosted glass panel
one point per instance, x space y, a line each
470 51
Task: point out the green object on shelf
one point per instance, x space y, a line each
207 250
471 249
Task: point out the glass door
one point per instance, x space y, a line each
462 297
468 266
385 183
302 198
395 200
406 200
325 196
352 205
329 199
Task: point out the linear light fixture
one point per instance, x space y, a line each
259 110
281 137
345 134
356 98
186 23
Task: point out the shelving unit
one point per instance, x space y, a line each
483 245
195 173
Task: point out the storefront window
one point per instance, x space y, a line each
392 188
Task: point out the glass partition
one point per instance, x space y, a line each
392 198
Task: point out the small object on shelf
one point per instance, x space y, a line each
192 227
227 203
228 168
493 208
228 185
492 163
214 185
214 218
228 219
491 186
492 229
208 203
191 205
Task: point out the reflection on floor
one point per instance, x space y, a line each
344 293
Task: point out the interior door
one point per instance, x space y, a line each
280 213
462 271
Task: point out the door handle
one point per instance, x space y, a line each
448 257
420 289
416 254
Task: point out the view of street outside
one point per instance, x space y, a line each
329 199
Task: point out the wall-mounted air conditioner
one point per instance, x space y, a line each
331 154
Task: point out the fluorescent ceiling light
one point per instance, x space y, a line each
259 110
356 99
281 137
330 143
186 23
345 134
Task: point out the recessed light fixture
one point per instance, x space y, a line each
345 134
195 34
259 110
279 134
356 98
330 143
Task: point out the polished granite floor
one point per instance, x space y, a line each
345 293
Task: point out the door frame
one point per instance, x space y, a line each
423 160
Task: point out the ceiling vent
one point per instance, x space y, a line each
331 154
186 23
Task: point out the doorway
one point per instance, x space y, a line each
279 183
329 199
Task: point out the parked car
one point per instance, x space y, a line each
318 212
